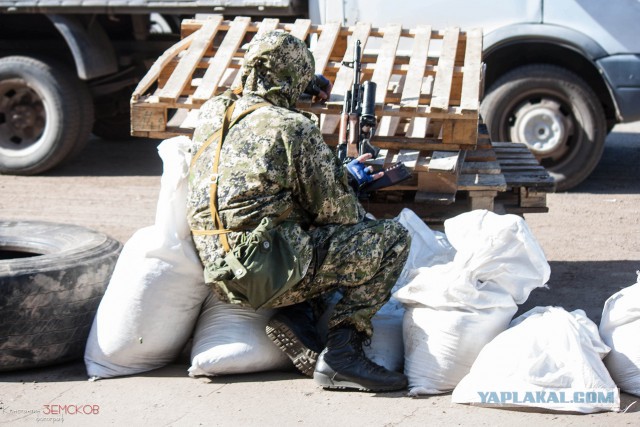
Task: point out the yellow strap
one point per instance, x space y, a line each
213 189
209 232
220 134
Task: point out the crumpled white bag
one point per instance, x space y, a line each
428 247
548 358
154 296
456 307
620 330
230 339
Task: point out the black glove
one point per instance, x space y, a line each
318 83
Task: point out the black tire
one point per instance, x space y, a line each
555 113
46 114
52 278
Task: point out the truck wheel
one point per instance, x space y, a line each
46 114
52 278
555 113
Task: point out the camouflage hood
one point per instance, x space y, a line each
277 67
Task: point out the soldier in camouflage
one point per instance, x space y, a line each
275 159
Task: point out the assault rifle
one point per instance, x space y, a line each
358 120
358 126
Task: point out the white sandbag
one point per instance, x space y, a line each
548 358
499 249
155 293
620 330
386 347
455 308
427 248
230 339
441 345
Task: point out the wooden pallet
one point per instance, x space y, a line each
428 81
427 113
503 177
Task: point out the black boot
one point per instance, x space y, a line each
293 330
343 364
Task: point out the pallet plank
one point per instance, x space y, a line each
471 79
417 64
482 182
228 47
267 24
385 61
157 67
442 83
489 167
300 28
188 63
324 47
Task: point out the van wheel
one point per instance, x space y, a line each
555 113
52 278
46 114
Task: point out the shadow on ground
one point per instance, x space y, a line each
131 157
583 285
618 171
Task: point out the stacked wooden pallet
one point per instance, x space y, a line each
427 100
427 94
503 177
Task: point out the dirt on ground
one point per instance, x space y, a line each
591 237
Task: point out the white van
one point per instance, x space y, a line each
560 73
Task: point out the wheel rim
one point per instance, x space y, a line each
23 115
543 122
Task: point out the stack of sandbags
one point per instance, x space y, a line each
620 330
156 299
548 358
454 309
156 291
428 247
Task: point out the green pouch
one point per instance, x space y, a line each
260 268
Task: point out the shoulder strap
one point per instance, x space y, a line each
220 134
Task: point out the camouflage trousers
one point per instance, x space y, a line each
363 261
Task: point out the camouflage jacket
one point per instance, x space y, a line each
273 159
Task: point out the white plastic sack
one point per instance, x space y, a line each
498 249
427 248
548 358
455 308
154 296
620 330
230 339
386 347
441 345
495 254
